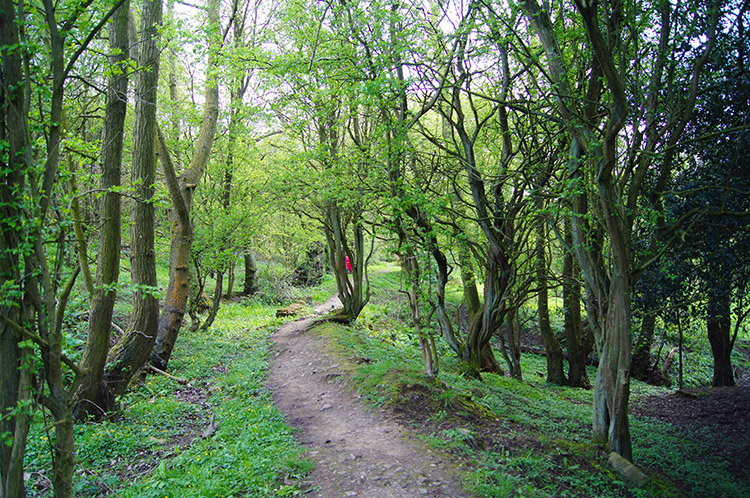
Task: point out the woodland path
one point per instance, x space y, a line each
359 451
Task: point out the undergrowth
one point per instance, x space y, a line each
536 442
518 438
155 449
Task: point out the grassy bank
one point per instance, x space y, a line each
156 447
520 438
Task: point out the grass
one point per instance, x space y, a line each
527 438
537 440
155 449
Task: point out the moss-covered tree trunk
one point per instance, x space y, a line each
478 352
93 396
133 349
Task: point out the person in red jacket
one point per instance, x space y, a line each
348 265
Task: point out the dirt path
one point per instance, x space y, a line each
359 452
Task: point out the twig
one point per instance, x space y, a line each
162 372
212 427
118 328
39 342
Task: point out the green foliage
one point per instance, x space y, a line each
274 286
540 439
156 442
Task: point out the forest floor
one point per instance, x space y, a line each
361 451
358 451
717 416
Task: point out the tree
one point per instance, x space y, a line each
552 347
713 192
596 115
133 349
30 283
579 341
322 116
15 381
92 395
181 193
476 135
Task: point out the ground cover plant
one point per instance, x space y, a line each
532 438
219 435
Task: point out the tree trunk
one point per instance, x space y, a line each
12 175
579 342
718 324
484 360
469 280
478 351
181 193
230 280
641 363
429 240
612 390
176 298
353 288
251 268
497 225
197 286
511 344
216 303
411 267
552 347
93 396
133 349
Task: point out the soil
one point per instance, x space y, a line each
716 416
358 451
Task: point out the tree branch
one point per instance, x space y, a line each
39 342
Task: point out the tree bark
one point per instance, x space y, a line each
579 342
181 193
719 325
230 280
216 302
12 175
93 396
555 373
612 389
641 363
251 268
469 280
133 349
